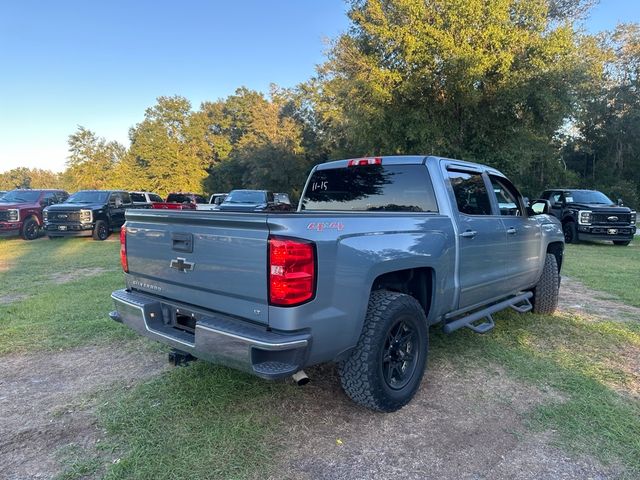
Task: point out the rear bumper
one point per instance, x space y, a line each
603 232
218 338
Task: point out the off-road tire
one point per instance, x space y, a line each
30 229
545 293
361 375
101 230
622 243
570 232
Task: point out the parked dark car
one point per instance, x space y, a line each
144 199
21 211
591 215
254 201
93 213
180 201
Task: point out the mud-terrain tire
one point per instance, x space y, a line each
570 232
100 230
622 243
386 367
30 229
545 293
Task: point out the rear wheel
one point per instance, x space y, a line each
100 230
622 243
570 232
385 369
545 293
30 229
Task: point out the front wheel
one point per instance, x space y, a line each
622 243
570 232
386 367
30 229
100 230
545 293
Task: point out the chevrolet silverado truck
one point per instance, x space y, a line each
90 213
591 215
379 250
21 211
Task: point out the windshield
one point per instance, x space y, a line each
88 196
245 196
21 196
588 196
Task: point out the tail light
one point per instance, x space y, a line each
123 249
292 271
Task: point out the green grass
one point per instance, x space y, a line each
52 306
204 421
198 422
579 359
608 268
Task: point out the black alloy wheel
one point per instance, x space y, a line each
570 232
30 229
101 230
399 357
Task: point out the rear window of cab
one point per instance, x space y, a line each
371 188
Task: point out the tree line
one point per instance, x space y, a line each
515 84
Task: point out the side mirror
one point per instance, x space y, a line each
539 207
620 203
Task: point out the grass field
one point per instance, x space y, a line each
204 421
608 268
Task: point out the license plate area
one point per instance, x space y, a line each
612 231
180 319
62 227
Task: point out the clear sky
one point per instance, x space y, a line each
101 64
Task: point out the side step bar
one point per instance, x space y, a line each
519 303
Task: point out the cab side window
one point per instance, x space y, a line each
49 198
115 200
506 197
472 197
126 198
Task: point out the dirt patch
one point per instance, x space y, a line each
461 425
11 298
39 395
578 298
66 277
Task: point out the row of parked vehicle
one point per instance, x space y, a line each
28 213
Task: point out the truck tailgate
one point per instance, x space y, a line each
217 261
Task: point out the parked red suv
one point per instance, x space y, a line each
21 211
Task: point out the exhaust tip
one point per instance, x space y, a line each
300 378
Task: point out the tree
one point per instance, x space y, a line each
491 81
92 162
23 177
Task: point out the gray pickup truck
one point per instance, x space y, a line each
378 250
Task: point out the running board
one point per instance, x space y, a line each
517 303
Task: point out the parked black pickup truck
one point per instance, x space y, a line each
93 213
591 215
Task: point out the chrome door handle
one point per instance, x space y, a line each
511 231
469 234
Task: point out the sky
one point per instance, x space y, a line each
101 64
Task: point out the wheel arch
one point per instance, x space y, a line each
417 282
557 249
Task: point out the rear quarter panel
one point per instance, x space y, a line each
352 251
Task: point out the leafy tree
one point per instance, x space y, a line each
23 177
491 81
92 162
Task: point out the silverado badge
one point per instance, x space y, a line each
181 264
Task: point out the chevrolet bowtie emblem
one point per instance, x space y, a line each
181 264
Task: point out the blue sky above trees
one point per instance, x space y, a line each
101 64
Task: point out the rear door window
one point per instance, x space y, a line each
371 188
138 197
472 197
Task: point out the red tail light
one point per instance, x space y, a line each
123 249
292 271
